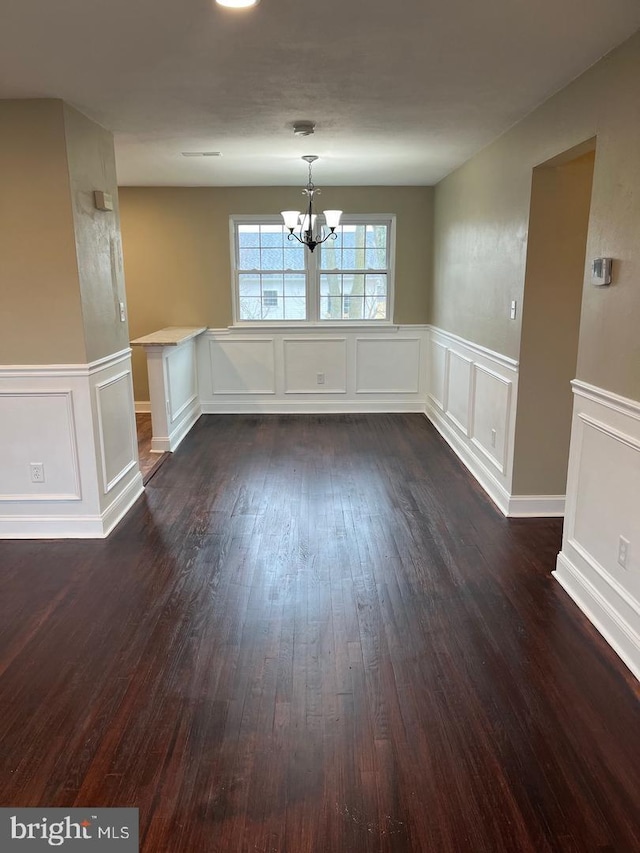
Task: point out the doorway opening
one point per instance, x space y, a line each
554 280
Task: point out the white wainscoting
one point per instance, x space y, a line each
603 504
471 399
173 387
77 421
346 369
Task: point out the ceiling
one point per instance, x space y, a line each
401 92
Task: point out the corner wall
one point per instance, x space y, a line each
481 231
66 398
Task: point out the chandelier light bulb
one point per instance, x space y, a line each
291 218
332 218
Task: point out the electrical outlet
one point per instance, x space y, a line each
320 378
493 438
37 472
623 551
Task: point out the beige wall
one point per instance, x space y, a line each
481 224
559 219
40 307
177 255
59 289
92 166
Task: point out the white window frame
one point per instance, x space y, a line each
312 273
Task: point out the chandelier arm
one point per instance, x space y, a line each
324 239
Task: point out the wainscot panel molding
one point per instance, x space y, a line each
471 398
312 369
603 505
78 422
173 384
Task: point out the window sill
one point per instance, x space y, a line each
295 325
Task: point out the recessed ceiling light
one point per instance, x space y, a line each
202 153
237 4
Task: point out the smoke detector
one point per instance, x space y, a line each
303 128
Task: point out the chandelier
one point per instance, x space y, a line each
302 226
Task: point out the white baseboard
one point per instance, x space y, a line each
116 511
492 487
601 613
162 444
143 407
512 506
311 407
536 506
73 526
51 527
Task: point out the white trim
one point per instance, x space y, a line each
19 371
118 508
183 408
503 360
610 431
143 407
311 407
336 389
577 438
465 430
607 398
601 613
497 464
511 506
171 442
604 575
312 269
297 328
373 338
439 404
74 526
107 486
73 437
493 471
109 360
536 506
495 490
212 337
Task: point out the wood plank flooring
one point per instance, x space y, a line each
315 634
149 462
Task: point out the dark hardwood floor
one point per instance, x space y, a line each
149 462
316 634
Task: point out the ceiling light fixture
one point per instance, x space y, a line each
237 4
303 128
305 224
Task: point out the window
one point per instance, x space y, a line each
348 278
270 298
